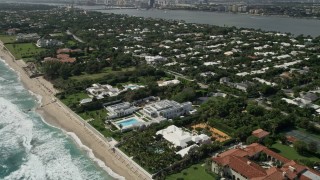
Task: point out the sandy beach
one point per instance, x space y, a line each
57 114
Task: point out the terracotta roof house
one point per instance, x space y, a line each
260 133
67 50
240 164
65 58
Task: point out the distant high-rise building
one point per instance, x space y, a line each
234 8
151 3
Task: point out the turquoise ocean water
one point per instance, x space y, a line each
30 148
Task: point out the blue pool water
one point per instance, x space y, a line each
128 122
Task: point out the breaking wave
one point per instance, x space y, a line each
31 149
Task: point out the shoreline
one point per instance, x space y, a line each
54 113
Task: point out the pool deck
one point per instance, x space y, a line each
139 121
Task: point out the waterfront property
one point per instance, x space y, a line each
128 123
167 109
120 110
44 43
27 37
99 91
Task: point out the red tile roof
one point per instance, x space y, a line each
276 155
241 165
66 58
260 133
273 173
237 160
254 148
293 169
236 152
67 50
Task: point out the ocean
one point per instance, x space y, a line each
32 149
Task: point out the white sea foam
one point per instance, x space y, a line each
38 97
46 155
7 64
9 115
92 156
46 152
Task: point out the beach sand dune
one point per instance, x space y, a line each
56 114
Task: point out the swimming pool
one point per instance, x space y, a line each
127 122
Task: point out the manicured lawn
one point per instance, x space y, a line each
24 50
193 172
71 43
98 117
97 114
100 75
75 98
7 39
291 153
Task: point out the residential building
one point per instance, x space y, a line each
99 91
208 73
167 83
27 37
65 58
224 80
260 134
167 109
240 164
48 43
308 97
179 137
154 59
241 86
12 31
120 110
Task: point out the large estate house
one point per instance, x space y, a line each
245 163
48 43
121 109
27 37
99 91
154 59
167 109
179 137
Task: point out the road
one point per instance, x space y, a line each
178 75
260 103
74 36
